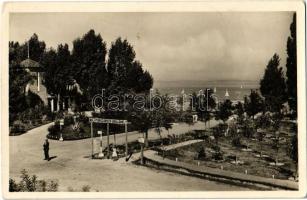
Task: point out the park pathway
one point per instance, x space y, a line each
73 168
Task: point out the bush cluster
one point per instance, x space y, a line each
32 184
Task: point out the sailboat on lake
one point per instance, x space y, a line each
226 93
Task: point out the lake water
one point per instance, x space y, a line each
235 93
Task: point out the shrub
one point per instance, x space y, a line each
236 142
54 129
52 186
248 128
202 154
68 120
13 186
83 118
18 127
51 115
59 115
86 188
216 148
218 154
31 184
217 133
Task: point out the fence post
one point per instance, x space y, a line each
108 140
126 131
92 136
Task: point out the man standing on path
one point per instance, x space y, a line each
46 149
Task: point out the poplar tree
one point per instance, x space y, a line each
292 67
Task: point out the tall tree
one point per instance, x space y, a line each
57 70
294 150
88 63
15 53
18 79
253 104
239 109
120 63
292 67
160 117
50 70
124 71
273 86
225 111
203 103
164 116
34 48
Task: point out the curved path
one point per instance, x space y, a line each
73 168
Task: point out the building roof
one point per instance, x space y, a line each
28 63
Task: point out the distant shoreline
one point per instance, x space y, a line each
204 84
236 93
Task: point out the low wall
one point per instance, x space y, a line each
254 182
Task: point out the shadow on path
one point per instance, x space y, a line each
52 157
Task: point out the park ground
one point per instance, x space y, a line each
73 168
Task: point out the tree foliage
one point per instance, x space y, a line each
253 104
158 118
19 77
199 103
88 63
36 48
273 86
32 184
126 73
292 66
225 111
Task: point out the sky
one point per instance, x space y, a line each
182 46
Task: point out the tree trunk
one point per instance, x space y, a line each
58 102
161 138
108 141
146 139
296 171
170 138
142 154
276 158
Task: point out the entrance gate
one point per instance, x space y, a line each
108 122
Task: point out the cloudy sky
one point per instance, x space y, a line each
174 46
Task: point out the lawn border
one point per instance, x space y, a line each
217 174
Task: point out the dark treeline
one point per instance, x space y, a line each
90 63
278 89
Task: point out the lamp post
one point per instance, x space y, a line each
100 155
92 136
142 141
126 133
61 124
108 141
